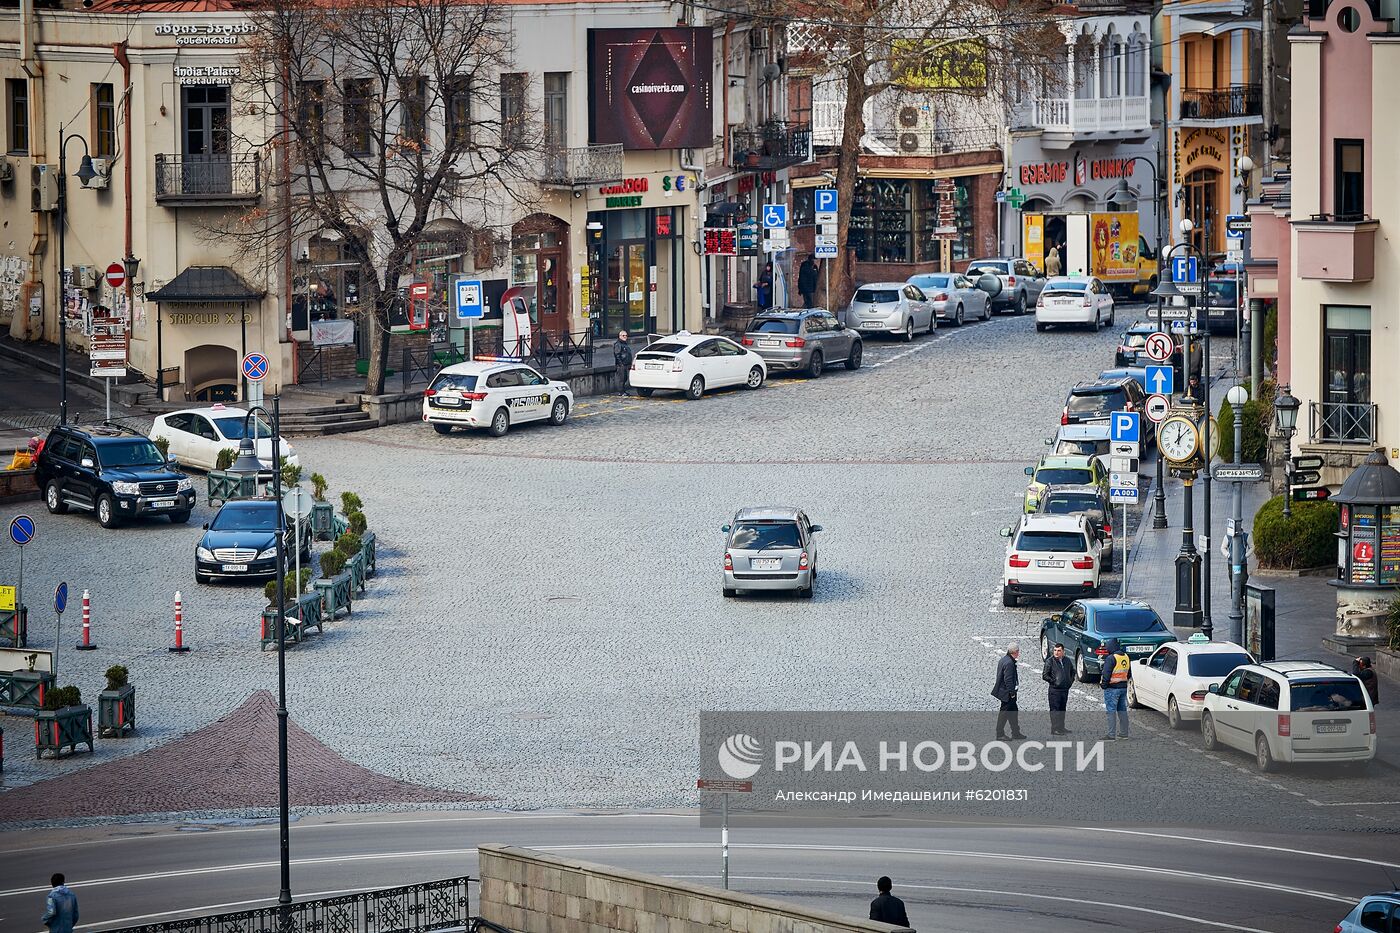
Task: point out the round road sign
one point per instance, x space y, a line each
116 275
60 598
1159 347
255 367
297 502
1156 407
22 530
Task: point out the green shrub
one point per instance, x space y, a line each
1298 543
332 563
163 445
59 697
349 502
1257 416
225 458
1393 618
117 677
291 475
318 487
289 584
1270 348
348 543
358 522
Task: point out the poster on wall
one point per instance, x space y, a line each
1114 246
650 88
1390 545
1034 250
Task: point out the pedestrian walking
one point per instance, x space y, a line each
1059 674
1008 679
1052 261
1117 671
622 361
61 908
764 287
807 281
886 907
1369 680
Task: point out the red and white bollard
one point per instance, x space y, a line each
179 647
86 644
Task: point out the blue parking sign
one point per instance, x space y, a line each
824 200
1124 426
1184 269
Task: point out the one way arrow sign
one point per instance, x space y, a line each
1161 380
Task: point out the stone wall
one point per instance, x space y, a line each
531 892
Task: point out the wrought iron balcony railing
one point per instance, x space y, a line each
1238 100
213 179
773 145
585 165
1341 422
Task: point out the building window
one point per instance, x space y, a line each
881 221
512 109
1346 351
414 101
17 114
804 207
1084 68
359 95
928 203
104 121
1110 61
457 102
1202 197
1137 65
556 109
311 111
1349 198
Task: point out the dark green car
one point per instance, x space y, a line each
1086 625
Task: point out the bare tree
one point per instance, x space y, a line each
388 115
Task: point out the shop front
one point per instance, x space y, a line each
206 320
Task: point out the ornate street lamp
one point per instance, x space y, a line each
1286 417
1237 397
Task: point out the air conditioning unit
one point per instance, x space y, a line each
909 142
84 277
7 170
103 178
909 117
758 39
43 184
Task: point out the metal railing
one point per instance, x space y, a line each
1092 114
207 178
585 165
773 145
423 363
310 361
1342 422
565 354
414 908
1237 100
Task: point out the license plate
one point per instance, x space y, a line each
1049 563
766 563
162 503
768 343
653 366
449 402
1334 727
1139 649
235 568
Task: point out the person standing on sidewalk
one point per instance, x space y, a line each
1117 671
886 907
1008 679
622 361
807 281
61 908
1367 675
1059 674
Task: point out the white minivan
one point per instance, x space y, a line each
1291 711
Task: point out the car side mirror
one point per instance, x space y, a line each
206 526
724 528
816 527
1056 618
87 462
1213 688
1030 471
1006 532
1049 441
171 462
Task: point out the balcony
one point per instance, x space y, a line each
584 165
772 146
207 181
1337 248
1086 116
1342 423
932 142
1231 103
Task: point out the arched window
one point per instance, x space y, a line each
1084 67
1137 64
1202 201
1110 63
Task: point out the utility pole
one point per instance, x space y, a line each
1266 31
1203 305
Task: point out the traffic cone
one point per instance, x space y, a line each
86 644
179 647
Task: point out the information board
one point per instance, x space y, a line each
1390 546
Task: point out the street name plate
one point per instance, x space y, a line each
1189 288
1238 472
1173 312
725 787
1123 494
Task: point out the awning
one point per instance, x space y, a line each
205 284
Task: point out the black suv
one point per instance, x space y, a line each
114 471
1091 402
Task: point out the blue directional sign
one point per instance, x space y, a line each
774 216
22 530
467 303
1161 380
1236 225
254 367
60 598
1184 269
1125 426
824 200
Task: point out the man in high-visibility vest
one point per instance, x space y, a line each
1117 671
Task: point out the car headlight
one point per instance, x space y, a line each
184 485
203 553
265 553
126 489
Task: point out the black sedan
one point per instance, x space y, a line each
241 541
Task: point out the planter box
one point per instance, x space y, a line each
336 594
57 729
14 628
339 525
367 548
116 712
356 566
268 636
309 610
25 688
322 521
224 486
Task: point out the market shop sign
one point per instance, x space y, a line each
629 191
1044 173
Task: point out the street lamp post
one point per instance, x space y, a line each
1237 396
1164 292
1286 415
248 462
84 174
1203 305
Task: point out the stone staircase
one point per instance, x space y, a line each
325 416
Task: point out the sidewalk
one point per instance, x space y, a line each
1305 606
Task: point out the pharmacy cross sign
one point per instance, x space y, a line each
1015 198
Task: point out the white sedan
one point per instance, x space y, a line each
493 394
196 435
692 363
1175 678
1078 299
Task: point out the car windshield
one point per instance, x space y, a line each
1122 621
232 427
1215 664
985 266
930 281
454 382
1064 476
1327 696
877 296
1222 291
244 517
1096 403
1060 542
1135 340
133 453
759 536
1078 448
1066 287
774 325
1068 504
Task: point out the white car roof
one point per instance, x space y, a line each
884 284
211 411
683 337
1047 522
1069 279
1208 647
480 367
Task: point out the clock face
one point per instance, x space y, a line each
1178 439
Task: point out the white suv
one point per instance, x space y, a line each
1291 711
1051 556
493 394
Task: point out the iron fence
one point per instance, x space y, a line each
1342 422
562 354
1237 100
925 141
310 361
414 908
773 145
423 363
583 165
207 177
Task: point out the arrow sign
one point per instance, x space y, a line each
1303 477
1238 472
1307 463
1237 224
1161 380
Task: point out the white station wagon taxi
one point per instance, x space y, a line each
493 394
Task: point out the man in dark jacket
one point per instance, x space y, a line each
807 281
886 907
1059 674
1117 671
622 361
1008 679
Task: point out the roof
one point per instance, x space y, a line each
170 6
1076 489
1036 520
477 367
99 432
883 285
1375 482
1068 280
789 312
768 511
1141 327
205 283
1300 667
1097 386
1078 461
213 411
1109 603
1209 647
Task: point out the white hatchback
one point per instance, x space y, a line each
493 394
1176 678
1291 711
692 363
196 435
1079 299
1051 556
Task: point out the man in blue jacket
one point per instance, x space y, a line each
61 909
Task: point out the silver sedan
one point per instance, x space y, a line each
955 297
891 308
770 549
